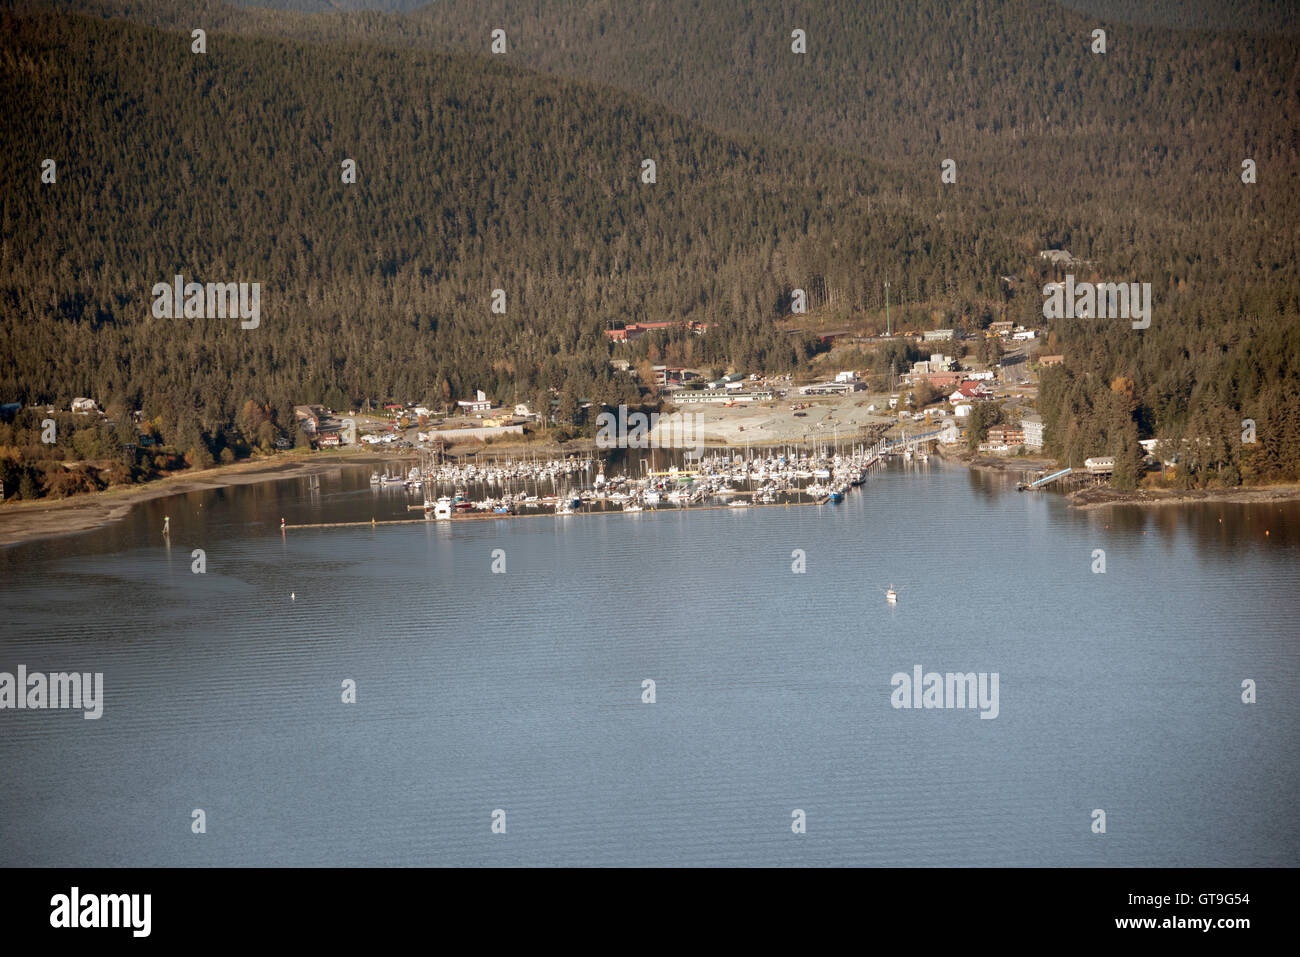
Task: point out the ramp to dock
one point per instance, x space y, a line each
1047 479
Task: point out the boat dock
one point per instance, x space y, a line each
468 515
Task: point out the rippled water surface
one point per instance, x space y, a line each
522 691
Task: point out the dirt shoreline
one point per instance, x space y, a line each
28 521
1101 497
22 522
1090 498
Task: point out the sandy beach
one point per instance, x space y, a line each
44 518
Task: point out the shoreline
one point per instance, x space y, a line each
25 522
1102 497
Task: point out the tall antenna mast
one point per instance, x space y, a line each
889 329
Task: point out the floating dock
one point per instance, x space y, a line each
479 516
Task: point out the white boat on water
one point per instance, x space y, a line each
652 497
891 596
442 508
738 503
375 478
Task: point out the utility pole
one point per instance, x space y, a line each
889 329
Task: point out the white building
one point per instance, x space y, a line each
479 403
84 406
846 377
1033 429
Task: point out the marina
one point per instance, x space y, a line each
721 478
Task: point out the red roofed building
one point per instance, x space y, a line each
635 330
969 392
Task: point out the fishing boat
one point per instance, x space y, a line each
891 596
442 508
837 494
375 478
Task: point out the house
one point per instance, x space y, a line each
1032 427
921 368
1103 465
1009 437
309 417
846 377
1050 360
1057 257
1001 328
969 392
943 380
479 403
983 376
84 406
522 410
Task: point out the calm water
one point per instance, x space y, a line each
522 691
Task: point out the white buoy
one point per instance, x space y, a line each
293 596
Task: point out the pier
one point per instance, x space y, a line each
489 516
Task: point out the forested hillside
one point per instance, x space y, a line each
471 176
775 170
